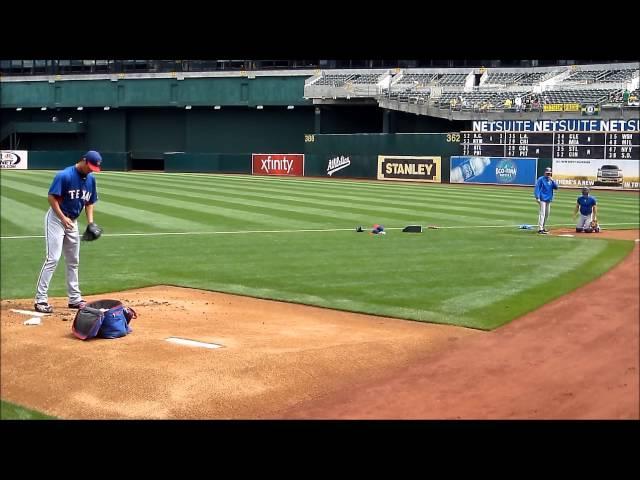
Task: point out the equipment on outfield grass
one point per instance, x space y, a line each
378 230
413 229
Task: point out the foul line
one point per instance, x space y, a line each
155 234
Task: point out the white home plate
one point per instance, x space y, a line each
192 343
30 313
566 235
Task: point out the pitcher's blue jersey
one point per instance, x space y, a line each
73 191
544 189
586 204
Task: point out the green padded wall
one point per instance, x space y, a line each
363 151
57 160
207 162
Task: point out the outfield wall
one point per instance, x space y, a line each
324 153
59 159
329 156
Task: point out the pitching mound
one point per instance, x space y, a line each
615 234
576 357
273 355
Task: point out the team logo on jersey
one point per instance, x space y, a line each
82 194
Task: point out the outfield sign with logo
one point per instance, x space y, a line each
277 164
14 159
582 172
409 169
563 125
493 170
561 107
337 163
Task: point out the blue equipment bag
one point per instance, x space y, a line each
103 318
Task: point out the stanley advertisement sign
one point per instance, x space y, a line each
409 169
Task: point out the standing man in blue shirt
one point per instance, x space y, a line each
544 196
72 189
588 211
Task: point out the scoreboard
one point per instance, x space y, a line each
584 145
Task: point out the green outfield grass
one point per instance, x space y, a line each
11 411
294 239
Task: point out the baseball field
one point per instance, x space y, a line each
292 240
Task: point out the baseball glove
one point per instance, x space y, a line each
92 232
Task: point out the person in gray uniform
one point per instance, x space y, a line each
72 190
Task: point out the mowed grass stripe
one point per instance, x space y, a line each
373 204
13 227
613 210
325 214
342 211
151 219
331 188
145 216
500 192
378 202
219 208
464 190
501 288
243 205
476 215
24 214
25 217
520 202
486 213
497 192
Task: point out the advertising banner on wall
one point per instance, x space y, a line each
495 170
580 172
337 163
14 159
561 107
409 169
562 125
277 164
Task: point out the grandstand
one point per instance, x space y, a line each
502 78
335 79
341 79
244 87
415 79
602 76
590 96
115 66
451 79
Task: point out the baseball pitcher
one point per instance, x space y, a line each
72 190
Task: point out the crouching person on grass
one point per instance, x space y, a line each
586 204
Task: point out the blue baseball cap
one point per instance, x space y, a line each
94 160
